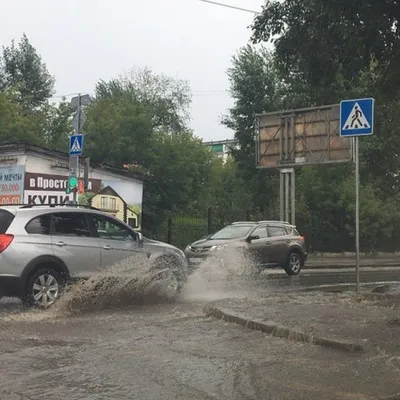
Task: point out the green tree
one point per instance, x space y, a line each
57 125
256 87
23 71
180 166
15 125
227 192
140 120
167 100
118 131
329 43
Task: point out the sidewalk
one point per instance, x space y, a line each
363 324
357 335
349 260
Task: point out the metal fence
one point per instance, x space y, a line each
321 235
181 230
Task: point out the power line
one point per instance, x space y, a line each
217 92
230 6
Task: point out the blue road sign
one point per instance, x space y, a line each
357 117
75 145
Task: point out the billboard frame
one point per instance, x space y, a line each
286 137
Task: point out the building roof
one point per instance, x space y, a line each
55 153
109 191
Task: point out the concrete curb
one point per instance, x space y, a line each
347 264
283 332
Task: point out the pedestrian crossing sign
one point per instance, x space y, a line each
75 145
357 117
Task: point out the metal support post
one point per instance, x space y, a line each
357 214
293 194
287 197
281 195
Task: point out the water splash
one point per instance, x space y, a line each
227 274
132 281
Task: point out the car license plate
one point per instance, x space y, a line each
195 259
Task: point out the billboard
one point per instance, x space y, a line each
306 136
12 184
50 189
122 199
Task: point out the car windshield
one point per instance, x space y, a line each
232 232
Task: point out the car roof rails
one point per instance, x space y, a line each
243 222
275 222
24 206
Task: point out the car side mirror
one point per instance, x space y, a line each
139 238
251 238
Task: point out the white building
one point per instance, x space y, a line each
222 148
36 175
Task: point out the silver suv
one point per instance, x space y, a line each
43 248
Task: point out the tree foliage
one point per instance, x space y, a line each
329 43
23 71
167 100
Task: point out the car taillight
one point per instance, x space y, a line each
5 241
302 238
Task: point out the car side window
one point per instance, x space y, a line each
109 229
70 224
275 231
261 232
39 225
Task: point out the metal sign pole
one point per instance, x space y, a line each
357 119
76 158
357 214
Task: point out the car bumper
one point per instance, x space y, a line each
194 258
10 286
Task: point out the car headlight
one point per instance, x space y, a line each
188 247
217 248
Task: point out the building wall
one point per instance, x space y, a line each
107 205
45 181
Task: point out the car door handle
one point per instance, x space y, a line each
107 247
61 244
287 240
268 242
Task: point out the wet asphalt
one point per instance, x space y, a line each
172 351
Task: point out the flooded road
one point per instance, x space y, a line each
172 351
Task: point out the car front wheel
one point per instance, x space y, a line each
294 264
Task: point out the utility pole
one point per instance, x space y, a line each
76 144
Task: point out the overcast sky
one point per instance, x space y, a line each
83 41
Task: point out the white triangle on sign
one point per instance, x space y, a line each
76 148
356 119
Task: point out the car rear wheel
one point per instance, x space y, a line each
294 264
43 289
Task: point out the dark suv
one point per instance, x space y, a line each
268 243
